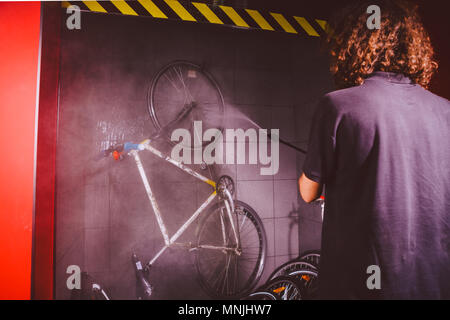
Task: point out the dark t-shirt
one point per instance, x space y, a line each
382 150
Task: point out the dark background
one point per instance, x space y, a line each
433 13
272 78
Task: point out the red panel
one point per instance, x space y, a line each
19 49
46 151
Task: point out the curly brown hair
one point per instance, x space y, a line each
401 45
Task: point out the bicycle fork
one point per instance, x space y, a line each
230 209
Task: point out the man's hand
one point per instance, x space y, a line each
309 189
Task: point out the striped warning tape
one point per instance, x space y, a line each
206 13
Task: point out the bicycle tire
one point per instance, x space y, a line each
260 295
213 266
163 87
290 266
285 288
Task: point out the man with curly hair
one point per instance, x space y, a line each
381 147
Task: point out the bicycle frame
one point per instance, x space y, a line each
170 241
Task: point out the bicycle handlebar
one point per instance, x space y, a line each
128 146
119 150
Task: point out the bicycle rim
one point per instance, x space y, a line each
226 274
291 266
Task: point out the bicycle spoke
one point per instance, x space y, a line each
236 272
179 75
243 222
172 82
225 273
186 90
219 275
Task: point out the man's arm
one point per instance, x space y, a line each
309 189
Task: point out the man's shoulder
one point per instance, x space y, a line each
345 94
436 100
344 100
373 96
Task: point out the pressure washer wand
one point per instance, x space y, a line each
288 144
279 139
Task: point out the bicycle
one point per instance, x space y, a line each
303 270
300 273
231 242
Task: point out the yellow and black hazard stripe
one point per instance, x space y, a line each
206 13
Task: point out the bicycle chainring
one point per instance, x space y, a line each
225 182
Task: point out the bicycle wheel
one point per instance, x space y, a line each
176 88
285 288
309 280
312 256
230 273
290 266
